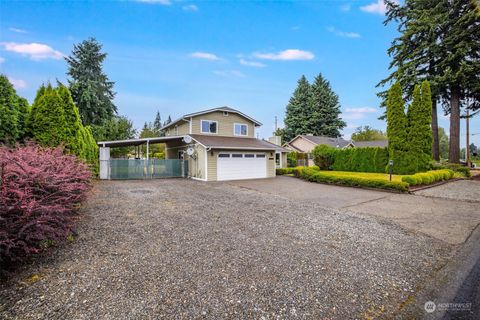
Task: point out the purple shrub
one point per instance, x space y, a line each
40 189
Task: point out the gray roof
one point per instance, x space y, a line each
222 142
375 143
337 142
224 108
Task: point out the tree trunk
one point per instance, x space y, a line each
454 150
435 143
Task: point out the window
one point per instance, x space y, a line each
277 159
240 129
260 155
209 126
223 155
249 155
237 155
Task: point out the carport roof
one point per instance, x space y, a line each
136 142
219 142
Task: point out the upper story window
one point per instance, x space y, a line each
208 126
240 129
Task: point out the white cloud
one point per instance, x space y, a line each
36 51
17 30
378 7
357 113
361 110
162 2
343 33
289 54
2 60
204 55
295 28
229 73
17 83
252 63
190 7
345 7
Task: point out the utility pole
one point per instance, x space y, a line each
467 148
275 124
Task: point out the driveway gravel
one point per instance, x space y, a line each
187 249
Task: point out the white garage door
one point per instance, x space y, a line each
237 166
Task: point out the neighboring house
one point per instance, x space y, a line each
220 144
306 143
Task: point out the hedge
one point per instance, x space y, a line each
365 159
284 171
428 177
465 171
330 177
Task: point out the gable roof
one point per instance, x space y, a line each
221 142
373 143
222 109
337 142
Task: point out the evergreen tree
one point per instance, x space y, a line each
33 111
396 120
49 124
324 110
444 142
23 113
116 128
419 131
91 89
9 130
439 40
157 124
75 142
404 161
297 112
460 66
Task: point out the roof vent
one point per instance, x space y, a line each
225 113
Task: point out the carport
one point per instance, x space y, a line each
141 167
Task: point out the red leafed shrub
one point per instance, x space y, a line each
40 188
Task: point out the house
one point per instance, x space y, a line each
219 144
306 143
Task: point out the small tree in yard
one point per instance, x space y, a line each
40 189
323 156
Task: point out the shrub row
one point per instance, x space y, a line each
314 175
465 171
40 188
428 177
294 170
367 159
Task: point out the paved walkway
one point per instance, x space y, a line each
448 212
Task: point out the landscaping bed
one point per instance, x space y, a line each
400 183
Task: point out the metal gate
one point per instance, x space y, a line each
125 169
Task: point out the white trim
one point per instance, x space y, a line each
190 126
198 179
240 124
206 164
201 126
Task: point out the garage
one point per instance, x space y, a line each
238 165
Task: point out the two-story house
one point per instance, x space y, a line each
219 144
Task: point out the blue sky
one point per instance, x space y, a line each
183 56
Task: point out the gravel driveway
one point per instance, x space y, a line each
187 249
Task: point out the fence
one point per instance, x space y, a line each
123 169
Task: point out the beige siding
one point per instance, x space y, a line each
284 162
271 167
303 145
182 129
224 123
212 165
